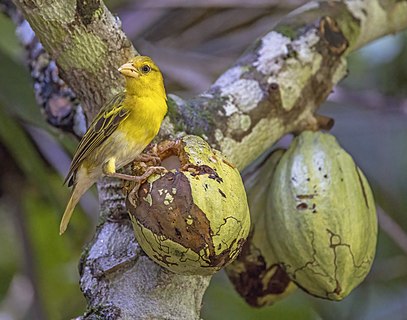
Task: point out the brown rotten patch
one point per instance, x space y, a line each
254 279
174 217
332 34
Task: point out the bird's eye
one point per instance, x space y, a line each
146 68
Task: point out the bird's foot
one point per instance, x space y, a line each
149 157
140 179
148 173
137 179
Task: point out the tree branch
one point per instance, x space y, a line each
276 87
273 89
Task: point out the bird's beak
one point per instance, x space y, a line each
128 70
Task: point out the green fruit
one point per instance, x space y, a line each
193 219
322 221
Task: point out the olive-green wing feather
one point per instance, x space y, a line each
104 124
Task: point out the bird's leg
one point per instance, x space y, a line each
149 172
109 169
144 157
142 178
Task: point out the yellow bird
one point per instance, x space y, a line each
120 131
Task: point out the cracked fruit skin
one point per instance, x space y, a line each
194 219
322 217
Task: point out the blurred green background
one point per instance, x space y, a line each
194 43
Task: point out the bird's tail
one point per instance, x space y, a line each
78 190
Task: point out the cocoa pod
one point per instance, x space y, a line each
322 222
194 218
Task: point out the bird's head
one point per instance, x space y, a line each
142 76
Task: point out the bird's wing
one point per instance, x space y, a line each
104 124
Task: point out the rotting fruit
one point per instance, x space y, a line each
194 218
256 274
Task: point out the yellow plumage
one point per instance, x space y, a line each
120 131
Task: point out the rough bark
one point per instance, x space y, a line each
273 89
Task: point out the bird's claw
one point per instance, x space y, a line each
139 180
152 170
149 157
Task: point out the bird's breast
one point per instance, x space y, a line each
136 131
127 146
